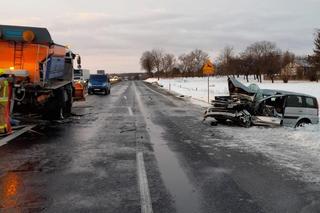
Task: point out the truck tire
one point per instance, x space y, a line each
60 106
56 105
68 105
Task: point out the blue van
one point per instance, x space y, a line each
99 83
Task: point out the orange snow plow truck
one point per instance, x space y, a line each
41 71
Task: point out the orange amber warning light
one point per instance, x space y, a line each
28 36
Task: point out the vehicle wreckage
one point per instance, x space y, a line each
247 106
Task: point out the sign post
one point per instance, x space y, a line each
208 69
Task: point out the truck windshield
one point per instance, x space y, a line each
78 73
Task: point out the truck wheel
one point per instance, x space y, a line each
68 105
59 104
59 113
55 107
53 110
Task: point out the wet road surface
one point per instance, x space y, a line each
142 150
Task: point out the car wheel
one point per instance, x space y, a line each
302 123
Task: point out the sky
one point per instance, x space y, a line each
112 35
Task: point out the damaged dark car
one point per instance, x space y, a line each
247 106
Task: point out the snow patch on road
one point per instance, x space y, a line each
295 149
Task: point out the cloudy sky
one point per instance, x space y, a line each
112 34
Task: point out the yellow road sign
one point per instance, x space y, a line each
208 68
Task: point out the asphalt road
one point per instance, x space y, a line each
142 150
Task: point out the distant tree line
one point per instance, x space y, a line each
158 63
259 59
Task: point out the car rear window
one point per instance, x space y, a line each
311 102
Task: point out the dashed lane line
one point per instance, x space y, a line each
130 111
145 198
146 206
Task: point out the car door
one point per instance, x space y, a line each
294 108
269 111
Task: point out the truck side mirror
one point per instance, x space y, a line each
79 61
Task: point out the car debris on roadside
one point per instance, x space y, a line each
247 106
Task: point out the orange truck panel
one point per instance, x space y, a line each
6 55
32 55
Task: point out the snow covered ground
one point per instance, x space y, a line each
297 150
197 88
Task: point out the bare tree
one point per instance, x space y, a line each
157 58
286 59
315 58
185 64
260 51
147 62
225 61
246 65
199 59
191 63
274 65
226 54
168 63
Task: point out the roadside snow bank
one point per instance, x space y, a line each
197 88
297 150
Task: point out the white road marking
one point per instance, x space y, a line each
146 205
145 198
130 111
16 134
